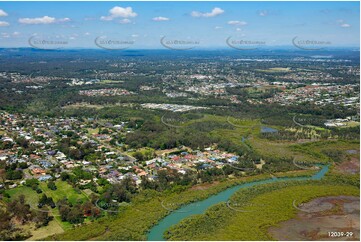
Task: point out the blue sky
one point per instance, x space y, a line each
209 23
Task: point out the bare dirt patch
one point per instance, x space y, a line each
351 166
321 216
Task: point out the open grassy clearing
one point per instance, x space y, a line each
93 131
64 190
31 197
43 232
142 150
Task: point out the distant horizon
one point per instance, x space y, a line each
280 47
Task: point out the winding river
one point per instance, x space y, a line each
199 207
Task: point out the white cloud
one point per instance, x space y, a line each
9 35
106 18
62 20
236 22
125 21
159 19
87 33
213 13
343 24
89 18
3 13
263 13
135 35
123 12
43 20
238 29
218 27
4 24
119 12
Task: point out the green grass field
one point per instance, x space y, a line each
64 190
143 150
53 228
93 131
31 196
